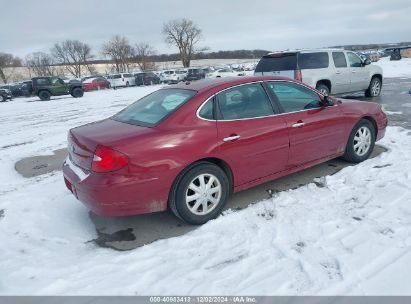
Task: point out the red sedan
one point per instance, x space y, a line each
187 147
98 83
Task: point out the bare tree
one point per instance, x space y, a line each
40 64
120 51
8 61
183 34
142 54
73 55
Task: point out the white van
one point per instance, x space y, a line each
121 80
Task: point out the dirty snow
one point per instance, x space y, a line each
349 233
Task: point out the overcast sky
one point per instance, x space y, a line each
28 26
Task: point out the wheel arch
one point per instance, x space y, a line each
325 82
379 76
373 121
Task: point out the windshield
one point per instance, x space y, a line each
151 109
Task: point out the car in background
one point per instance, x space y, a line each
45 87
121 80
189 146
14 88
331 71
5 95
195 74
224 73
98 83
146 78
172 76
27 88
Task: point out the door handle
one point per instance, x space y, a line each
338 72
298 125
353 72
231 138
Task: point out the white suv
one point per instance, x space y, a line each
121 80
172 76
331 71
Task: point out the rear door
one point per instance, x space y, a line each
342 76
315 131
279 64
252 137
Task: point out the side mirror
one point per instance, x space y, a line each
327 101
366 62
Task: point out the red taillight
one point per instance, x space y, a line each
107 160
297 75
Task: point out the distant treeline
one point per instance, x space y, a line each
373 46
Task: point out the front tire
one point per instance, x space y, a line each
2 98
361 142
77 92
200 193
374 88
323 89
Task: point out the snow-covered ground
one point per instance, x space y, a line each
400 68
350 236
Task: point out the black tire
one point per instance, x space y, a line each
127 84
2 98
77 92
374 89
180 189
325 90
351 155
44 95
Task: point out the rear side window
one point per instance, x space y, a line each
207 110
294 97
284 62
246 101
151 109
318 60
339 60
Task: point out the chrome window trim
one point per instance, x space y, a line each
259 81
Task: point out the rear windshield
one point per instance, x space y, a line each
284 62
153 108
313 60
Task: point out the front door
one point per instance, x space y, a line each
359 74
341 78
315 131
58 86
252 138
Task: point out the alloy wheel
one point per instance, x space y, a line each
375 88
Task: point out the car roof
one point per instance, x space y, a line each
307 51
209 83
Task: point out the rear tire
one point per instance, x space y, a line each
2 98
77 92
208 186
44 95
374 88
323 89
361 142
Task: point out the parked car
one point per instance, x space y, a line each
5 94
195 74
45 87
146 78
121 80
97 83
14 88
331 71
172 76
224 73
189 146
27 88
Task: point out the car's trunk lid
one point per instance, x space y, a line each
83 141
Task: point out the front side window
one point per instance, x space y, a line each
339 60
151 109
354 60
56 81
246 101
294 97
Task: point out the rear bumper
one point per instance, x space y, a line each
115 193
